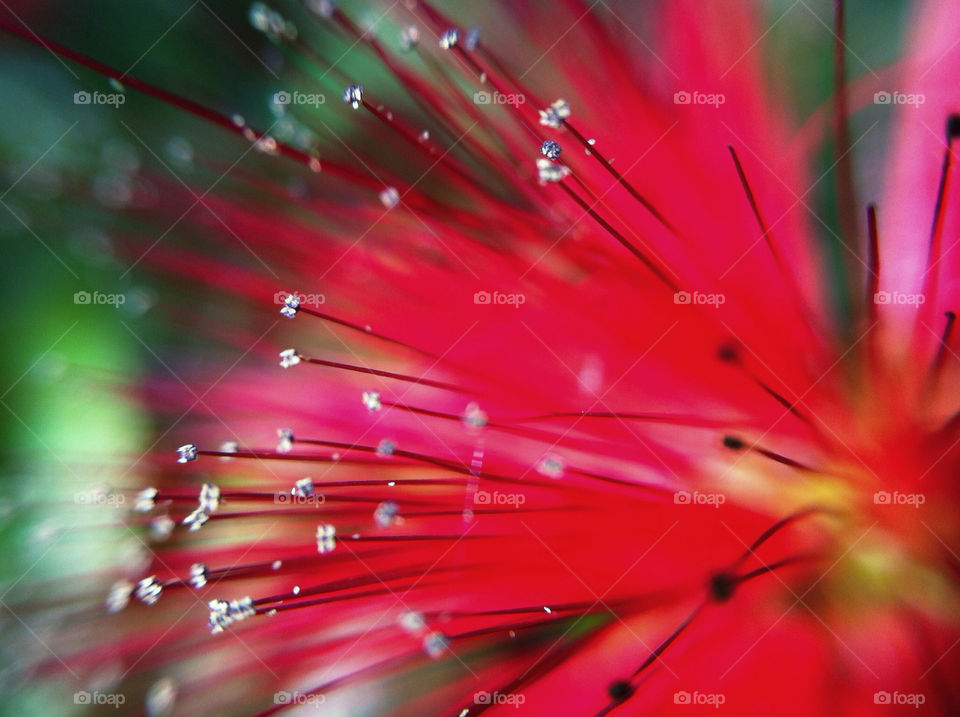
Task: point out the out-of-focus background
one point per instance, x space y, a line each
83 324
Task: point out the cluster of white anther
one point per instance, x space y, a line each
555 114
322 8
412 621
187 453
209 497
551 149
326 538
409 38
271 23
386 514
303 488
371 399
161 697
209 502
149 590
196 520
288 358
353 96
291 304
435 644
266 144
161 527
390 197
472 39
285 440
223 614
449 38
145 500
119 596
198 575
548 171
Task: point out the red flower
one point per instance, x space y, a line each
590 411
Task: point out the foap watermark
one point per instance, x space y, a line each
106 699
298 698
898 298
899 98
98 298
498 498
499 298
498 698
913 699
699 298
311 99
685 497
897 498
712 699
317 499
498 98
714 99
305 299
99 497
112 99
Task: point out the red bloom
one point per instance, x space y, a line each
580 426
